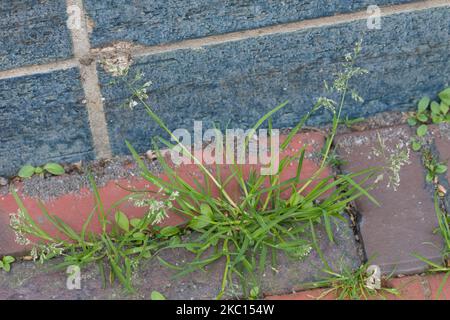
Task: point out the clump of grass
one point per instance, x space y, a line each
354 284
245 233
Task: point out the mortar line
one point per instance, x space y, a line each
90 81
198 43
139 50
38 69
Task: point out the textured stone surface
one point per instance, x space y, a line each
33 32
235 83
152 22
32 281
404 222
43 119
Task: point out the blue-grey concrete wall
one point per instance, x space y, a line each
43 119
55 93
238 82
152 22
33 32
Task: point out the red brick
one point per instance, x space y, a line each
410 288
435 281
405 221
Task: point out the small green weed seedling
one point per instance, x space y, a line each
433 166
27 171
429 112
157 296
5 263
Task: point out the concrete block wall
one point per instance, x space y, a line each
225 61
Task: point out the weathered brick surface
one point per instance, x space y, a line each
43 119
438 287
403 224
33 32
430 287
33 281
410 288
152 22
235 83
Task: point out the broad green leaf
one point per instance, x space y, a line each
445 96
437 118
8 259
26 171
412 121
423 104
444 108
38 170
254 292
422 130
206 210
295 199
157 296
441 168
198 223
435 107
135 222
122 221
416 145
6 267
422 117
139 236
54 169
169 231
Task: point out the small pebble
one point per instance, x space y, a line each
151 155
3 181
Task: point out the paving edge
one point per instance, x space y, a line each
415 287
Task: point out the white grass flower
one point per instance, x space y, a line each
18 222
157 209
394 160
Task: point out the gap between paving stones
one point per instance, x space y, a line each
406 219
